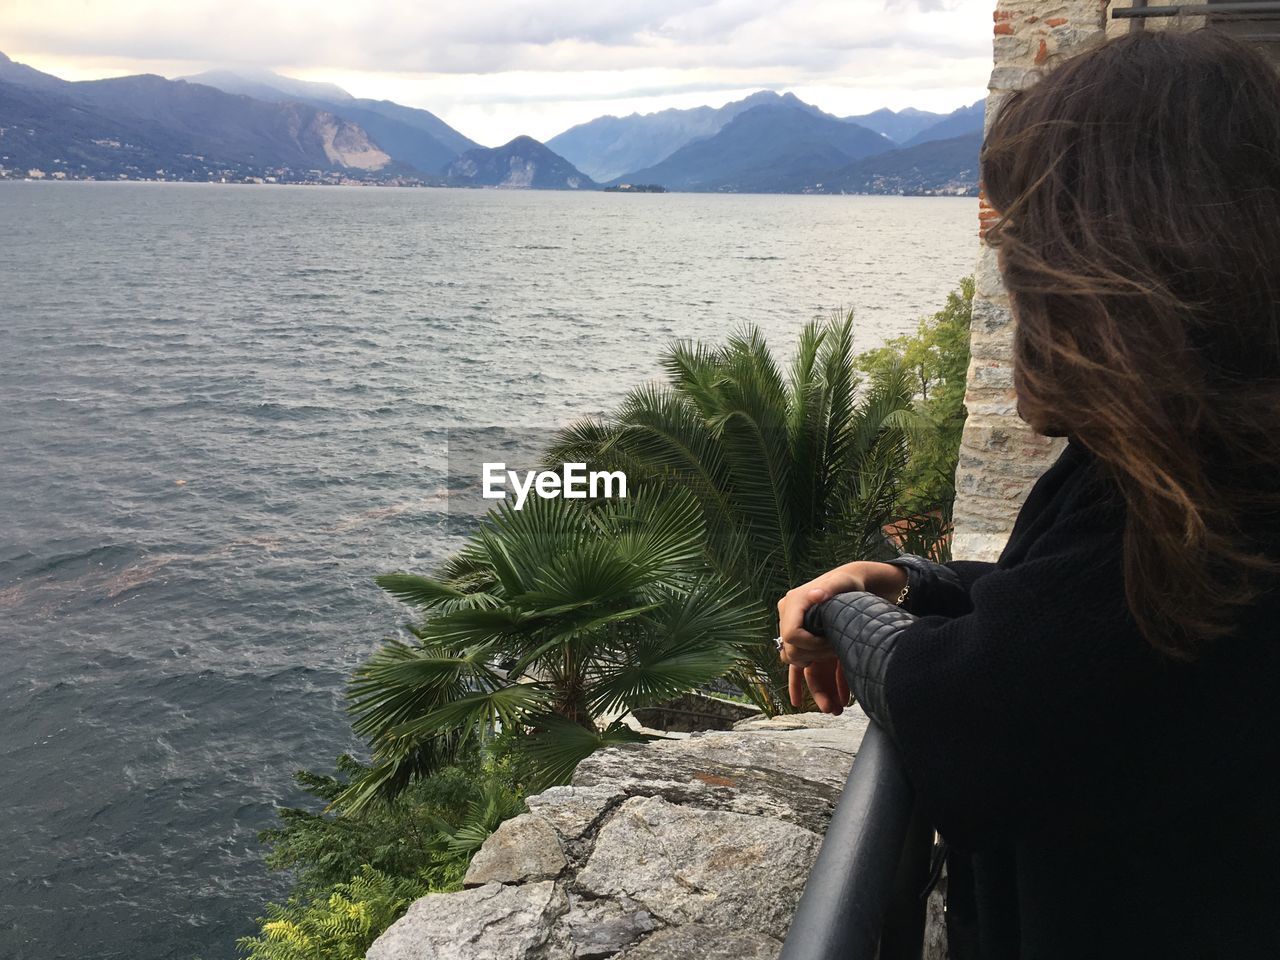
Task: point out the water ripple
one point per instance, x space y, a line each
222 412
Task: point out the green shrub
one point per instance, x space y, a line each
355 875
340 924
937 358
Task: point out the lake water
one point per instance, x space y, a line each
223 410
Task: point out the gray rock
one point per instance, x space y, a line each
853 719
696 941
599 928
791 769
673 850
689 865
523 848
1013 77
573 811
493 922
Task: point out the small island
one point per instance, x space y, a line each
636 188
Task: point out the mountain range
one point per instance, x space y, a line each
522 163
146 126
610 147
258 125
757 145
416 137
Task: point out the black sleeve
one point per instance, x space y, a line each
999 709
939 589
863 630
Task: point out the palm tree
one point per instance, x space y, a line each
794 473
552 620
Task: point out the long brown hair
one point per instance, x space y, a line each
1138 193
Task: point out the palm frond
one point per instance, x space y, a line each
400 682
484 814
558 745
688 641
470 714
417 590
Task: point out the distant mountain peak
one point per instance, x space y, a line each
523 163
408 134
910 126
608 147
24 76
267 85
960 122
771 142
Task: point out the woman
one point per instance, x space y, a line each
1092 722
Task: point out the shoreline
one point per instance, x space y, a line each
521 190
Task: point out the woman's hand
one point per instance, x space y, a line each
825 680
799 645
812 661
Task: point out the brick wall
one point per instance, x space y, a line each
1000 458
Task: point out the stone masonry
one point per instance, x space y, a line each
673 850
1000 457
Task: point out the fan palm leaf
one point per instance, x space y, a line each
557 746
793 473
570 592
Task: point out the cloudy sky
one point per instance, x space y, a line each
498 68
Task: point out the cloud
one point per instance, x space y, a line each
497 56
485 36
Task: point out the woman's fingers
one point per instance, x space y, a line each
795 685
799 646
809 656
825 681
791 610
824 684
799 656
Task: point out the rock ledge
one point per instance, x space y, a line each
692 848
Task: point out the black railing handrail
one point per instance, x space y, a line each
864 897
1141 11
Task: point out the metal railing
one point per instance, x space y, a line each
864 899
1244 9
1251 19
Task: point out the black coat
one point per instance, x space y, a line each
1100 799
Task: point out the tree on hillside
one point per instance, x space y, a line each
937 358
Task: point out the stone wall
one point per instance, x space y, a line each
695 712
1000 457
690 849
